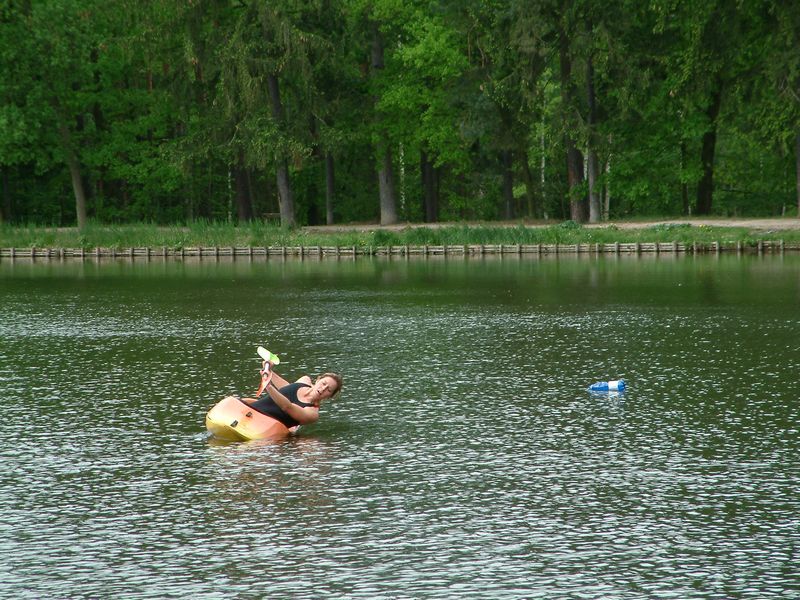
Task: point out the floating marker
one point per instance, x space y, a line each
617 385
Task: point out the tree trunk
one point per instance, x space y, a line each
285 198
330 188
593 166
244 207
430 188
75 174
77 188
530 195
797 171
388 202
507 159
684 185
5 204
251 189
577 204
386 186
607 195
595 213
543 173
705 188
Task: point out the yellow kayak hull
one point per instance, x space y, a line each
233 420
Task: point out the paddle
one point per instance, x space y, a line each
270 360
268 356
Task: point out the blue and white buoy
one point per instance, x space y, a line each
616 385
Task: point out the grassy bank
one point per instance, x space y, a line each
260 234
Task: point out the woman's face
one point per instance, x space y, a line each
323 388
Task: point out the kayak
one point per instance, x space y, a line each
234 420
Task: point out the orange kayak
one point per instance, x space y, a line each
232 419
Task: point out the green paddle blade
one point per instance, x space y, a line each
268 356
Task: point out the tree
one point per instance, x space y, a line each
421 102
253 48
510 64
215 109
702 66
49 88
388 196
572 120
778 88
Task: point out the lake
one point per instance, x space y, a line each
463 459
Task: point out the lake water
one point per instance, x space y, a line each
464 458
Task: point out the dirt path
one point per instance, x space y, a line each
756 224
752 224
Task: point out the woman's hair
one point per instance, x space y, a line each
336 377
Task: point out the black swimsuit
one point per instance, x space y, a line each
267 406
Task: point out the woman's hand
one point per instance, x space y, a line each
302 414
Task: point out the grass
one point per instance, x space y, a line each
210 234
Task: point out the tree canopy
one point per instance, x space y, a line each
322 111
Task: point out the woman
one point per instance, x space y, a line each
295 403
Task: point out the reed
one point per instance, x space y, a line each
258 234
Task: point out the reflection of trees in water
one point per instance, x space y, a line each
283 481
709 288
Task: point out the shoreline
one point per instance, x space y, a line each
403 251
500 237
753 224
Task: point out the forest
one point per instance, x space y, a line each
384 111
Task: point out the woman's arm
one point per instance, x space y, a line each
302 414
278 380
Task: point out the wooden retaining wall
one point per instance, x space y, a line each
354 251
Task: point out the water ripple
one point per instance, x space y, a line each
465 458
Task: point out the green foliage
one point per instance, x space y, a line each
569 225
165 104
211 233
